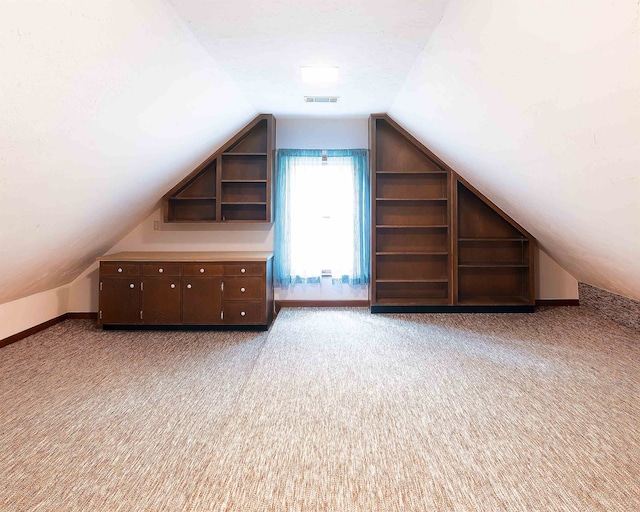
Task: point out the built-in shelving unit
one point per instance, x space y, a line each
437 243
233 185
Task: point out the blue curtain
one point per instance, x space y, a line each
286 161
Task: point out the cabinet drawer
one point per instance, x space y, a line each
243 288
244 312
160 268
119 269
244 269
202 269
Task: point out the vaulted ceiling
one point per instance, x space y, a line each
106 105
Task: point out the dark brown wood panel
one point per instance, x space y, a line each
499 285
202 300
410 240
119 301
191 210
255 141
244 269
244 312
244 192
202 269
476 219
497 252
413 267
243 288
161 302
244 167
394 152
160 269
411 186
411 213
402 293
119 269
243 212
203 185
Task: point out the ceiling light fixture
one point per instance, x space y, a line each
318 75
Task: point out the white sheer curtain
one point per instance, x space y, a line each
322 216
321 198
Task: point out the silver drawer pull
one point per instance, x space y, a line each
242 313
160 270
189 286
242 290
242 270
173 286
132 285
202 271
120 269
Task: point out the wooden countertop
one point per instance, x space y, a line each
187 256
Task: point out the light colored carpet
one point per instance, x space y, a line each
334 410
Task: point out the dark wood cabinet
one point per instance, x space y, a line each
202 300
186 289
161 302
119 300
235 184
437 243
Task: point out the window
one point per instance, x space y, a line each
322 221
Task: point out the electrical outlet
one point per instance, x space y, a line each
156 225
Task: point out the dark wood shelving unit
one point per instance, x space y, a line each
438 244
235 184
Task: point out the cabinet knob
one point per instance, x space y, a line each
242 313
120 269
242 270
202 271
132 285
189 286
242 290
160 270
173 286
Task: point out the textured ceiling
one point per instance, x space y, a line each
262 45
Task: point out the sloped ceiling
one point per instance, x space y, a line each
537 103
105 106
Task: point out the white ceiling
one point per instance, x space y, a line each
262 45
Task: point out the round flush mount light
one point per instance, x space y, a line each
319 75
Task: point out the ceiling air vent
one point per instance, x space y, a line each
321 99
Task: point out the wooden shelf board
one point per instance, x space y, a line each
243 154
243 181
493 300
436 280
411 199
412 226
444 301
492 240
412 253
492 265
194 198
225 203
412 172
200 221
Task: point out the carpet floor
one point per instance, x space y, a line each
332 409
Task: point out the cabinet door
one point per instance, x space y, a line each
120 301
202 302
161 301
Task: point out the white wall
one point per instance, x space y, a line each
536 103
323 133
22 314
552 281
